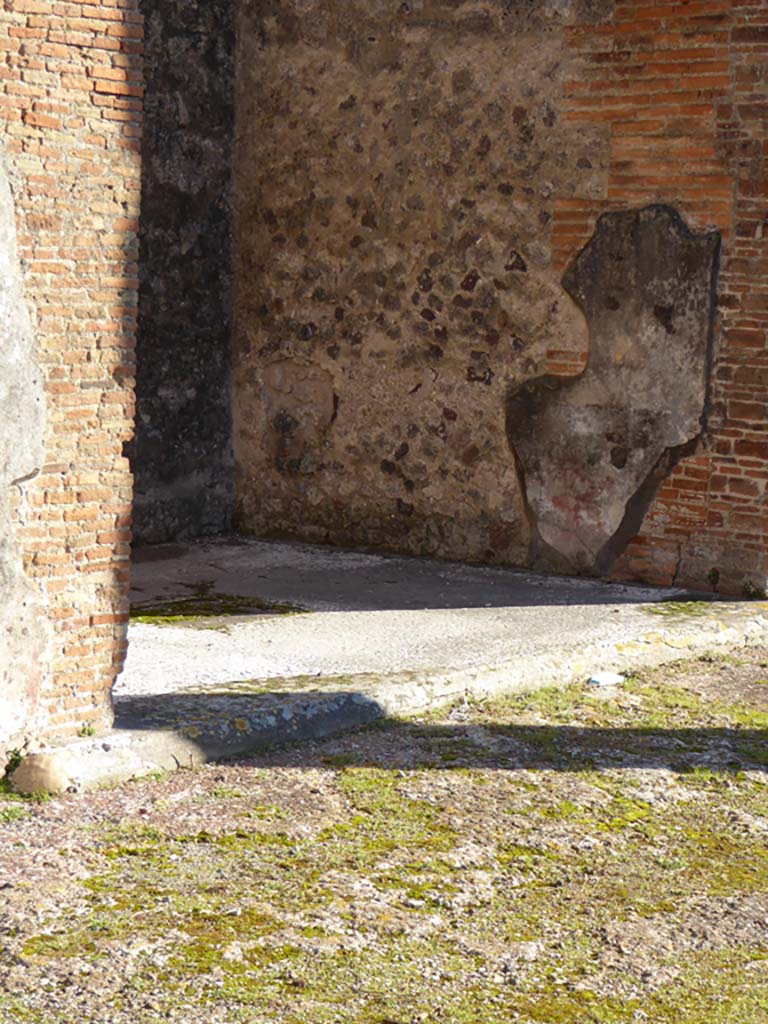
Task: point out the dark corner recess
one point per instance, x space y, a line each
181 452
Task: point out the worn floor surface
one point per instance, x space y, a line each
565 857
220 610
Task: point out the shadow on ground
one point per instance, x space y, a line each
323 578
213 722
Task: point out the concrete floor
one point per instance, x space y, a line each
380 637
368 614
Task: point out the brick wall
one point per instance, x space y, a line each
70 126
529 125
681 89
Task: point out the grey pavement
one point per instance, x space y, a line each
369 614
307 641
375 634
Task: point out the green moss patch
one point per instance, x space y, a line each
552 858
208 606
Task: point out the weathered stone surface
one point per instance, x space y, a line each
181 454
23 626
300 407
396 170
592 450
42 773
79 765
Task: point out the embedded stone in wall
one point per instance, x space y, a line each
300 406
23 630
592 450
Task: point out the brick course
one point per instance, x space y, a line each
682 90
70 116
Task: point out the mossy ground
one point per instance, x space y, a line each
676 609
574 856
206 607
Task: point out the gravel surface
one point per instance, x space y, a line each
572 856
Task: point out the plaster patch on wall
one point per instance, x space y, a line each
592 450
23 624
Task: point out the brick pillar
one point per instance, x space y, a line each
70 124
